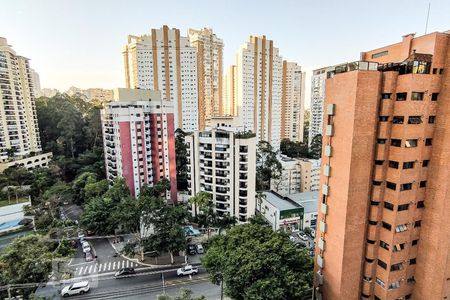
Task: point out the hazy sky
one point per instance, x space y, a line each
79 43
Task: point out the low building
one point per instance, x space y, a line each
290 179
281 212
223 163
36 161
310 203
310 174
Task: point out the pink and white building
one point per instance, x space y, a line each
138 137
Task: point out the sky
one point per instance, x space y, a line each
79 42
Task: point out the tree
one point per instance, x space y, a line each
267 166
294 149
79 185
316 147
255 262
181 159
98 215
185 294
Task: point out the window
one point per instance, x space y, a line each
423 183
435 70
377 183
417 96
415 242
393 164
373 222
411 143
369 260
411 280
388 205
417 223
382 264
380 283
379 162
386 96
374 203
428 142
414 120
396 267
384 245
391 185
425 162
383 118
405 186
394 285
370 242
401 228
407 297
386 225
420 204
381 141
408 165
403 207
412 261
396 142
401 96
441 71
398 119
380 54
399 247
431 119
434 96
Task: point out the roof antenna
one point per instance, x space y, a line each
428 16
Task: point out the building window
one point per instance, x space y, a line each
388 205
398 119
386 225
386 96
414 120
401 228
380 283
394 285
379 162
408 165
391 185
397 267
393 164
431 119
411 143
396 142
370 242
417 223
399 247
405 186
403 207
401 96
441 71
373 222
377 183
415 242
435 70
417 96
407 297
428 142
380 54
420 204
412 261
425 162
423 184
381 141
434 96
374 203
383 118
382 264
384 245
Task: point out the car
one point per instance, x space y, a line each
191 250
89 256
187 270
86 247
302 236
199 249
77 288
81 235
124 272
312 233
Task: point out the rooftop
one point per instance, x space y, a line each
279 201
309 200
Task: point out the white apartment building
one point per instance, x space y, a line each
290 180
292 102
165 61
36 83
318 80
310 174
259 89
223 163
138 137
209 73
315 174
19 129
229 102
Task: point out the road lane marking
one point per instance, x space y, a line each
114 266
123 264
109 266
90 269
128 263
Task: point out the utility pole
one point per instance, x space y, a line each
163 283
9 291
221 289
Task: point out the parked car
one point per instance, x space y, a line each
302 236
89 256
77 288
199 249
187 270
124 272
86 247
191 250
191 231
312 233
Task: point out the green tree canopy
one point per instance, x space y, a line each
267 166
316 147
257 263
181 159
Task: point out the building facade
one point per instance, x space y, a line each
19 131
292 102
259 85
209 73
290 180
229 102
36 83
383 220
223 163
165 61
138 136
309 202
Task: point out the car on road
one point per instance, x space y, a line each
187 270
125 272
89 256
77 288
302 236
191 250
199 249
86 247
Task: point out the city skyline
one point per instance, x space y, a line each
98 62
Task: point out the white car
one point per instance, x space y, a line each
86 247
77 288
187 270
199 249
302 236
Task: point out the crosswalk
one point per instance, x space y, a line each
109 266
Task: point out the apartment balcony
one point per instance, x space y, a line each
243 168
222 182
242 202
221 198
243 176
220 190
221 165
221 174
243 193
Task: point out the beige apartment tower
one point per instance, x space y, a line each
230 107
209 73
384 230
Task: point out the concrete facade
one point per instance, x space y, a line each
386 130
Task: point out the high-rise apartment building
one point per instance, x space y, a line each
36 83
292 102
318 80
20 142
229 101
138 136
223 163
165 61
259 86
209 73
383 221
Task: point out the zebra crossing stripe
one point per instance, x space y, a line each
90 268
114 266
100 267
123 264
128 263
109 266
